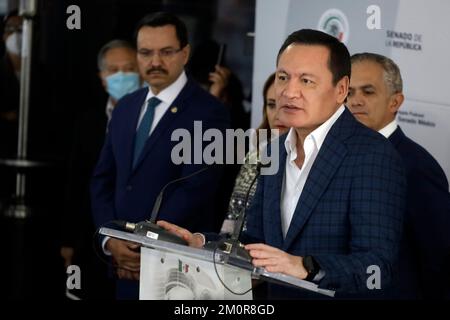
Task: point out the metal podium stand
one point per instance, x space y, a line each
215 256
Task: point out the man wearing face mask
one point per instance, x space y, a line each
118 71
9 84
119 76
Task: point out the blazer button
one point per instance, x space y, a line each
129 188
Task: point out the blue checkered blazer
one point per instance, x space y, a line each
349 215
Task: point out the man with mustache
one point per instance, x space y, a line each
334 210
375 96
135 162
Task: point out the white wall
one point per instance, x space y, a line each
425 115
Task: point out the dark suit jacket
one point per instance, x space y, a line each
120 192
349 215
425 243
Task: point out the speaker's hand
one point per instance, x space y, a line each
195 240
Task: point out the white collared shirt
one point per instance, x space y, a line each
109 109
294 177
256 148
389 129
167 97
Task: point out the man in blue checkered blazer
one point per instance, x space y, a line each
333 212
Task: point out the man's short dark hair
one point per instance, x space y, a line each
339 58
161 19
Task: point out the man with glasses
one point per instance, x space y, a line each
135 162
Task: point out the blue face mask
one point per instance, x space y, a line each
120 84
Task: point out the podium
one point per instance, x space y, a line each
173 271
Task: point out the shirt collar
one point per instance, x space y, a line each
318 135
169 94
321 132
389 129
291 144
109 108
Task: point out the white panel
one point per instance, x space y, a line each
425 72
270 29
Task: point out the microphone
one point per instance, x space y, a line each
237 254
240 221
149 228
158 201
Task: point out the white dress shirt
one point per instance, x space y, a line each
294 177
167 97
109 109
389 129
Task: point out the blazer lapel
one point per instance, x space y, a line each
327 162
130 129
271 216
396 137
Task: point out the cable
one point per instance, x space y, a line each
237 231
105 261
217 273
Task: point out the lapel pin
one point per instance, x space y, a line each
174 110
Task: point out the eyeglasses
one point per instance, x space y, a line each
165 53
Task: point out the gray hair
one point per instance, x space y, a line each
392 76
117 43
